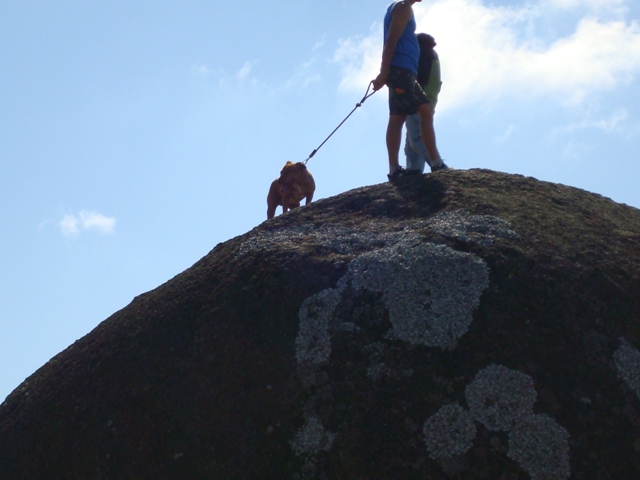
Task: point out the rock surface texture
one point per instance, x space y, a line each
463 324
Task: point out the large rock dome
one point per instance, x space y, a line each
463 324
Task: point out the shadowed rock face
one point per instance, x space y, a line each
465 324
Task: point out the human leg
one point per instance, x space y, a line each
414 149
394 139
412 158
428 134
401 83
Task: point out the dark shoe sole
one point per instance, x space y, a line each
440 167
399 173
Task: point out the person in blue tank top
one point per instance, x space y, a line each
398 70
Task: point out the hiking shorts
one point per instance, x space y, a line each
405 93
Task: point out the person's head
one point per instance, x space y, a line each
426 41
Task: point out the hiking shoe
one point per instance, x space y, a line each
399 173
412 172
442 166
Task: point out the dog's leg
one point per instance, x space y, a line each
311 188
274 198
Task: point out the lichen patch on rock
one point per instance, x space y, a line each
430 290
463 226
541 446
500 397
313 343
449 432
502 400
312 438
627 361
459 225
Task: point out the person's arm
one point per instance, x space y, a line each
399 19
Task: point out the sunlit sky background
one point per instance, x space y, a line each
137 135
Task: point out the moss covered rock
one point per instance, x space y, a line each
464 324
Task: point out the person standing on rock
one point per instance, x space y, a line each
430 80
398 70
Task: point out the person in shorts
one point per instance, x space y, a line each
399 70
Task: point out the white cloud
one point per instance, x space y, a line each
320 43
303 76
503 137
360 58
595 5
489 52
597 56
244 72
69 225
614 123
576 150
72 225
199 69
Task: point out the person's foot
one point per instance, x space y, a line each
442 166
399 172
412 172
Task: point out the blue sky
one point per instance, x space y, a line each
135 136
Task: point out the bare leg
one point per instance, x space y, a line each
394 139
427 131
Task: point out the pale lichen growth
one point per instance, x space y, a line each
463 226
430 290
313 343
627 361
460 225
541 447
449 432
502 400
378 371
312 438
499 397
333 238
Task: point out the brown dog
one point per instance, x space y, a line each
294 184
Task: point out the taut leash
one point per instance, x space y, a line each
366 95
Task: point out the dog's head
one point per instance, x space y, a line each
292 172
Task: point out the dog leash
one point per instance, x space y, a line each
366 95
